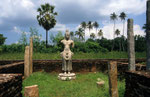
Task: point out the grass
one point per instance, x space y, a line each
109 55
83 86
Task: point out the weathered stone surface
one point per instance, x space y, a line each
10 85
67 59
67 76
67 54
131 49
12 68
30 56
148 35
27 62
137 84
112 70
100 83
82 66
31 91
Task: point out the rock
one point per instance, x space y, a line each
100 84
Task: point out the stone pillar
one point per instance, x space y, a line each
112 70
131 47
31 55
31 91
26 62
148 36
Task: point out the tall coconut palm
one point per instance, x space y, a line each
113 17
46 18
84 25
117 32
80 33
123 16
95 25
92 36
90 26
100 33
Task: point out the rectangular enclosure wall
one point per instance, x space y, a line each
137 84
10 85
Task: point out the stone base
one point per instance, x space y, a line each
65 77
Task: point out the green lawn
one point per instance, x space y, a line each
84 85
15 56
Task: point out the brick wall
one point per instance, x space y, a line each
12 68
137 84
10 85
86 65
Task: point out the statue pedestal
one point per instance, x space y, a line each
65 77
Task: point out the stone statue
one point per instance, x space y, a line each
67 58
67 54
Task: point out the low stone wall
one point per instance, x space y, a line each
12 68
5 62
86 65
10 85
137 84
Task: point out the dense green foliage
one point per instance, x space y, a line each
2 39
98 45
84 85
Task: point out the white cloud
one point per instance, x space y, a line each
134 7
14 8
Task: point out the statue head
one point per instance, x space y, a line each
67 35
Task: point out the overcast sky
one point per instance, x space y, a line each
19 15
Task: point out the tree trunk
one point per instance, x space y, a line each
148 35
46 38
113 37
123 36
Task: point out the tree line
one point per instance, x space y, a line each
90 45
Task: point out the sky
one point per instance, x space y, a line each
19 15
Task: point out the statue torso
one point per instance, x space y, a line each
67 54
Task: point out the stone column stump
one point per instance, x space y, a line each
112 69
31 91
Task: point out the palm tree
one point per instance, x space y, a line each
96 25
72 34
123 17
100 33
84 25
46 18
92 36
117 32
90 26
113 17
80 33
